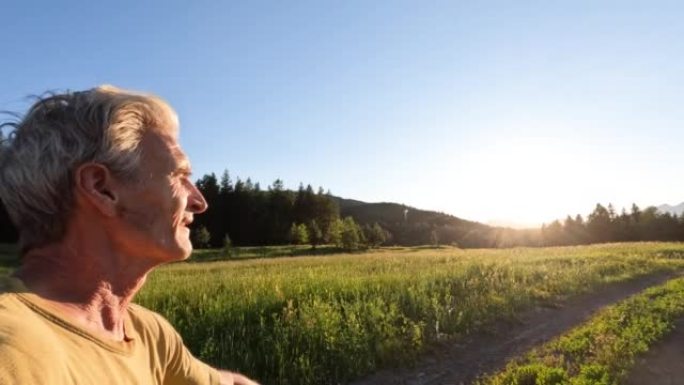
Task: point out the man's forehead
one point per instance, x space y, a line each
177 151
169 144
179 155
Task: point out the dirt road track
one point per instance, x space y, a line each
463 361
664 363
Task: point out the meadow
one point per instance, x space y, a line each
328 319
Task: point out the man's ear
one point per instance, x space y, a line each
95 183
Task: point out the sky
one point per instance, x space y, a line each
496 111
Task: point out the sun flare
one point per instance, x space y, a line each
528 182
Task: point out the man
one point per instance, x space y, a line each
100 191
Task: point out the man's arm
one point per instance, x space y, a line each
230 378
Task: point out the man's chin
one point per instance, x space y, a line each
181 253
187 254
187 251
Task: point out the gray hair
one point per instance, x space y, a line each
59 133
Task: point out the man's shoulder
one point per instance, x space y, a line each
15 313
144 315
25 340
17 321
147 321
13 319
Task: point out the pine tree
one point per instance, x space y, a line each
201 237
299 234
226 186
599 224
293 236
315 234
351 234
335 232
375 235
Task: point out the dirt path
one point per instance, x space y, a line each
664 363
463 361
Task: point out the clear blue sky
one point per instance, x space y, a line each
507 111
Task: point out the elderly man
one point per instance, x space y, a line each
100 192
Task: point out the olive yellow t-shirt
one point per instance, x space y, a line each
39 347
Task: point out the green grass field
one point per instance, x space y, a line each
258 252
327 319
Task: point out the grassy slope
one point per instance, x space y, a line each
325 320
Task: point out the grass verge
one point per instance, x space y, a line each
601 351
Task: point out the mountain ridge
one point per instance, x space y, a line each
413 226
677 209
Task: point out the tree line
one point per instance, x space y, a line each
605 225
241 213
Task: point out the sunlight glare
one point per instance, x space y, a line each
529 181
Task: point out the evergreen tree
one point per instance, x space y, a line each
315 234
201 237
335 232
625 230
570 231
554 234
305 205
375 235
326 211
351 234
226 186
209 188
599 224
280 204
249 186
635 214
299 234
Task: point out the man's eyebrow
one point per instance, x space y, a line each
184 167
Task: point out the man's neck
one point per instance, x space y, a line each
92 290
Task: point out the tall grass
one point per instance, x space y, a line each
327 320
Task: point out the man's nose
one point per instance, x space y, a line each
196 202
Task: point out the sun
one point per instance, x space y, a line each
527 181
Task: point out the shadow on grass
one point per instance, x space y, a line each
9 253
430 247
260 252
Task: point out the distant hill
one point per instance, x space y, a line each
385 212
678 209
411 226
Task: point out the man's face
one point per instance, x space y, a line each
155 211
